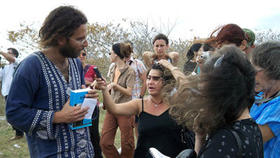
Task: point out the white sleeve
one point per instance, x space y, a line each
1 73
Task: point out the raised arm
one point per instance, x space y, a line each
176 72
129 108
8 56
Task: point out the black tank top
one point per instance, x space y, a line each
160 132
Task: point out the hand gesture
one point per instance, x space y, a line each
70 114
166 64
111 86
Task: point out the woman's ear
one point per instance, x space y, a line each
243 45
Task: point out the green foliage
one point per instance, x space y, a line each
101 37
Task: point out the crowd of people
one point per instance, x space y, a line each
224 104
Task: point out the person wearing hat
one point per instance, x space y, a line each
6 77
250 35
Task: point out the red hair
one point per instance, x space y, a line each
231 33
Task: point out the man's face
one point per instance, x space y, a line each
10 52
160 47
76 43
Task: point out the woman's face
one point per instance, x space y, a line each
263 83
83 56
154 82
113 56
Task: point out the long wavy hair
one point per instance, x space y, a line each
218 96
62 21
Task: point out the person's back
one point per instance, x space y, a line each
216 105
224 143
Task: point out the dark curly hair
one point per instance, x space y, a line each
219 95
62 21
165 73
161 37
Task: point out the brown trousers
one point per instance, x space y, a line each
110 126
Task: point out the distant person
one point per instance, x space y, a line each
266 109
199 53
139 88
38 101
6 76
228 34
250 35
90 76
191 55
160 45
122 80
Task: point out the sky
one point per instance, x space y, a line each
190 18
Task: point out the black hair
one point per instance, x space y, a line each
123 50
14 51
224 89
229 82
194 48
161 37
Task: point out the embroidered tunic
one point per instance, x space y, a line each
37 92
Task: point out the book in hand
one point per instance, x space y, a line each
77 98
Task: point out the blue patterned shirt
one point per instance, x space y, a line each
37 92
269 113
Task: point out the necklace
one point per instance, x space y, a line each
156 104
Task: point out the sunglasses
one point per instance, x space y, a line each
155 78
84 54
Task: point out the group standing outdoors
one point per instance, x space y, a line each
225 104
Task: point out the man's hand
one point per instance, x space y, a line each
70 114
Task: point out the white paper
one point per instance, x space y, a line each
91 103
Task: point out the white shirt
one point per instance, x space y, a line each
6 76
139 68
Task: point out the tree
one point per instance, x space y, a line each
101 37
26 38
267 35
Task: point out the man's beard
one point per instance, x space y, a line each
68 51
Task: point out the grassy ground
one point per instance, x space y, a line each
18 148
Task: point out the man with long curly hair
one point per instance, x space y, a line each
38 102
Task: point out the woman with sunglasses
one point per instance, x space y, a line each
155 127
